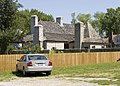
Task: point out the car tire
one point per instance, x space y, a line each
48 73
24 72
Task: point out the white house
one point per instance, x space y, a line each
63 36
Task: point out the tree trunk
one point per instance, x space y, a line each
3 46
110 38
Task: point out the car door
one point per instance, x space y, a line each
21 62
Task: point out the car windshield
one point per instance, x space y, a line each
37 57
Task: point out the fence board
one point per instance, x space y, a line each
8 62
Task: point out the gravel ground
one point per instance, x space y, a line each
45 81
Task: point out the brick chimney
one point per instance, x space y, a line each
59 20
79 33
37 31
38 35
33 22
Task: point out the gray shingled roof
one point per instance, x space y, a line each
69 28
90 35
28 38
51 27
54 32
59 37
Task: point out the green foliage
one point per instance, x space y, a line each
60 52
30 48
14 24
94 20
96 23
36 49
102 22
8 31
111 21
23 19
52 51
8 8
74 20
9 50
84 18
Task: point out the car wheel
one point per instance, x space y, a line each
48 73
24 72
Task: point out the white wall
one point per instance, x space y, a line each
97 46
57 45
93 46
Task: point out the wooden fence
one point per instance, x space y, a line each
8 62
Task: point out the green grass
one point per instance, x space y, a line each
6 76
104 70
93 70
106 82
103 82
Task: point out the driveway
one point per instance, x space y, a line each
45 81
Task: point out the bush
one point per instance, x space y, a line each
10 49
52 51
31 49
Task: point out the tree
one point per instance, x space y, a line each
84 18
15 24
30 48
96 22
111 22
8 31
23 19
73 18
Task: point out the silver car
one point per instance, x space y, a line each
34 63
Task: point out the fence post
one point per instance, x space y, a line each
97 58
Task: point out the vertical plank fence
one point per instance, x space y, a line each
8 62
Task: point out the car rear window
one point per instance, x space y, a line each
37 57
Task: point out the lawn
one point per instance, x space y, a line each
104 70
6 76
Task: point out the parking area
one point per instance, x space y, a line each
45 81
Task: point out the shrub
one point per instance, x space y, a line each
9 50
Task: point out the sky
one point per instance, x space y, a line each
64 8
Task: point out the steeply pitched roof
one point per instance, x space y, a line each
54 32
59 37
51 27
69 28
90 35
28 38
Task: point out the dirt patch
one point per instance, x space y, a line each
45 81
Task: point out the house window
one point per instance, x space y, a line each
93 46
66 46
53 48
103 46
86 47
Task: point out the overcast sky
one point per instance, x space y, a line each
66 7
